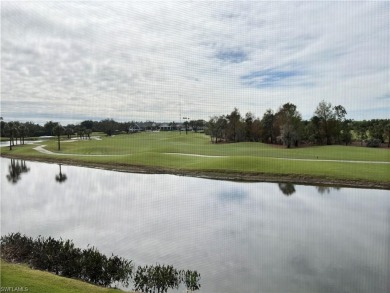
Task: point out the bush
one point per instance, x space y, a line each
16 248
373 143
62 258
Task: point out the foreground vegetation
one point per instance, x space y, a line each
194 154
21 277
64 259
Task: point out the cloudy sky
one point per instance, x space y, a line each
139 60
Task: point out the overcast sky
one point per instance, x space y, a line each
144 60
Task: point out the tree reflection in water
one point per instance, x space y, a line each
326 189
61 177
15 170
287 188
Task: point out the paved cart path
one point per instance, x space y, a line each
42 150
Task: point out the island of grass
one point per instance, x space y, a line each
194 155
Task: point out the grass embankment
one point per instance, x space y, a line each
29 280
163 152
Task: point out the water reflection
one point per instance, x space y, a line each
15 170
326 189
61 177
287 188
239 236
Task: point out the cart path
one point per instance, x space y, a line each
42 150
288 159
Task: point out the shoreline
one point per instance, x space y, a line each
213 175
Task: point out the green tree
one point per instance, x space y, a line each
361 131
289 122
233 127
10 130
69 132
186 125
345 133
267 122
88 124
249 130
326 117
7 132
377 129
23 131
216 128
88 133
58 130
387 134
16 132
108 126
49 126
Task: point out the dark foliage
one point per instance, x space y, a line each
156 278
62 258
191 279
374 142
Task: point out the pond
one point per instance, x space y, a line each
241 237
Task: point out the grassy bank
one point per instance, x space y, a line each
20 276
171 152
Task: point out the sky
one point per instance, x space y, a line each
165 60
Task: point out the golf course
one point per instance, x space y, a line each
194 155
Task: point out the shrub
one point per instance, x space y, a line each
373 143
62 258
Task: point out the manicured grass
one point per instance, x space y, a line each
22 277
151 149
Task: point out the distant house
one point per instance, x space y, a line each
165 127
134 128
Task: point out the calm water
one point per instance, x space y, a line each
241 237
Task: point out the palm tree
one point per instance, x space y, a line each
9 130
58 130
23 132
61 177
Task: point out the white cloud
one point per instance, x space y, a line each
141 60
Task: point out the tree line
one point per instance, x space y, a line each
63 258
329 125
19 131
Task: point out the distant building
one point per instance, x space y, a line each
134 128
165 127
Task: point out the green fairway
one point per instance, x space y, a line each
20 278
167 150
